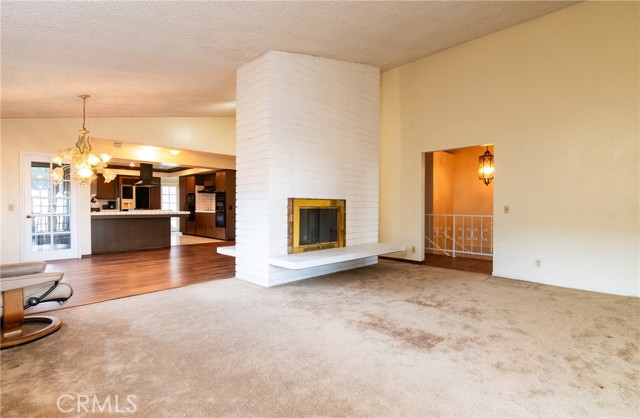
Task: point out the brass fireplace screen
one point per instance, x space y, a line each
316 224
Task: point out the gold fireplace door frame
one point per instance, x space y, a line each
313 204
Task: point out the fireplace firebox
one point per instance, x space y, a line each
316 224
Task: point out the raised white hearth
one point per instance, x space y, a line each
325 257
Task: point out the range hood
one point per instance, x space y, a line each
146 176
207 189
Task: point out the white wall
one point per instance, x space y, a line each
307 127
214 135
558 96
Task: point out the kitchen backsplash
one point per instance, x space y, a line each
104 203
205 202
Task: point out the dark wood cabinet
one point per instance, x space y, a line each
190 184
155 198
190 227
182 196
201 225
106 190
226 183
182 201
205 223
127 180
209 179
210 221
221 177
187 184
155 193
123 233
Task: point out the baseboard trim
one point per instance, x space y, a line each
402 260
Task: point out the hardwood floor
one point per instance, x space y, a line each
192 239
115 275
459 263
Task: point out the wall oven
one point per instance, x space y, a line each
191 206
126 192
127 197
220 210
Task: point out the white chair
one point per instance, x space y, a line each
24 285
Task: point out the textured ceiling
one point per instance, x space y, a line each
178 58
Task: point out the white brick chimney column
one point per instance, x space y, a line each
307 127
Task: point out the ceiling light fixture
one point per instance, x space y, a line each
82 163
485 167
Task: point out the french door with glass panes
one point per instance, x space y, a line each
49 230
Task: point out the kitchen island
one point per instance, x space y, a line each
114 231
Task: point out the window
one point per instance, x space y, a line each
170 202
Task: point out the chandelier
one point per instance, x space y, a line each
84 165
485 168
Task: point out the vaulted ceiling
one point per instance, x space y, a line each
178 58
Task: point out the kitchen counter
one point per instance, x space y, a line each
104 214
115 231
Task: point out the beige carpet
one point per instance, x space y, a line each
389 340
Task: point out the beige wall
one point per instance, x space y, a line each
558 96
470 195
210 135
452 184
442 178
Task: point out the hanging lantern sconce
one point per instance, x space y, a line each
485 167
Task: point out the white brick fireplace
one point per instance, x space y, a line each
307 127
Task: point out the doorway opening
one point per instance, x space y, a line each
458 211
49 228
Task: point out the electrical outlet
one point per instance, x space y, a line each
506 209
538 263
413 248
12 207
